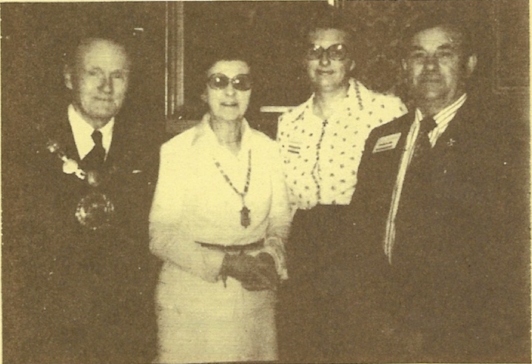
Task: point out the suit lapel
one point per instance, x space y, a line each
377 178
464 128
119 144
386 163
450 149
62 132
116 145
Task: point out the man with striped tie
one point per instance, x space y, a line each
437 274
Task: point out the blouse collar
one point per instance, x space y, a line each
207 137
354 85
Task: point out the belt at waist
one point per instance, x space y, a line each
324 213
233 248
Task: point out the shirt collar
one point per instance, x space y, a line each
82 132
445 115
350 92
307 106
305 110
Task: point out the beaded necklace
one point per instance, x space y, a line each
245 219
318 147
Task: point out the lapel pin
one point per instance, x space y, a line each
451 142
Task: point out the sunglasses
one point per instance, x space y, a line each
336 52
219 81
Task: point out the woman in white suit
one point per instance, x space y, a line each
219 220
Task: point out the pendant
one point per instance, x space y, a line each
95 211
245 220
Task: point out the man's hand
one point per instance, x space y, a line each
255 273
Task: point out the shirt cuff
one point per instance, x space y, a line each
275 247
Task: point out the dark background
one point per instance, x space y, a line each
35 37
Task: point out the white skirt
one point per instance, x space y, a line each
201 322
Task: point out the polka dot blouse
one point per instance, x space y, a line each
321 157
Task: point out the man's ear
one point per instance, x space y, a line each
67 74
403 64
204 96
470 65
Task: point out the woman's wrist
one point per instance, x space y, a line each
225 270
274 246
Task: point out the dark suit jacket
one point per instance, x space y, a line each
88 296
457 287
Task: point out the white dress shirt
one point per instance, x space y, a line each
82 132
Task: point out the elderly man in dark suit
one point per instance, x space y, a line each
89 276
439 271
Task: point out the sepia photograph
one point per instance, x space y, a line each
326 181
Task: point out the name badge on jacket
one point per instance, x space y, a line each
387 142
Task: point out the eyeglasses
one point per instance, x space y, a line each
219 81
336 52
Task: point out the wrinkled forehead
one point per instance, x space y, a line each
102 52
438 37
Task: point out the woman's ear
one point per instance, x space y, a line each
203 96
352 66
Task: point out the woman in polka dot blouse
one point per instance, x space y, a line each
321 143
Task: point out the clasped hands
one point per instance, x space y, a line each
255 273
